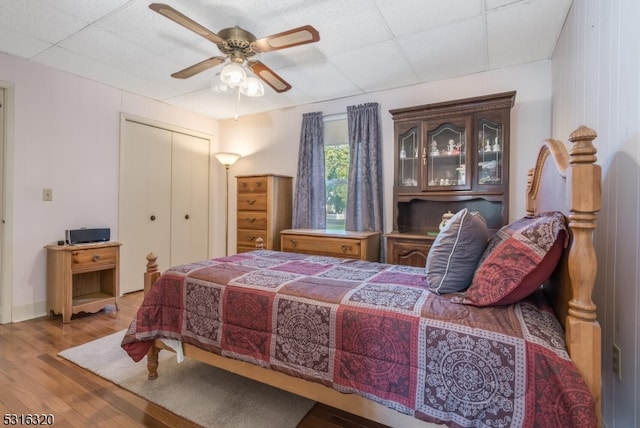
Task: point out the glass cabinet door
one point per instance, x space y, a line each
490 148
408 157
446 157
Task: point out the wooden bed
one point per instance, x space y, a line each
566 181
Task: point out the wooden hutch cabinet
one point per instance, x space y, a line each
448 156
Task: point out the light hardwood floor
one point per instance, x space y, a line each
35 380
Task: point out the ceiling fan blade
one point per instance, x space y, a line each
269 76
185 21
286 39
199 67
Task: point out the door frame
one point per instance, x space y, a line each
6 200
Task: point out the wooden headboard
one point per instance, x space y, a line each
572 180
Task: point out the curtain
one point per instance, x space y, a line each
364 195
310 198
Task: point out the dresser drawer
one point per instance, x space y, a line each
247 238
252 185
92 258
252 201
337 247
252 220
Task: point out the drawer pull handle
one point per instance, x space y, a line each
345 248
153 217
294 243
251 201
251 220
251 238
95 258
186 217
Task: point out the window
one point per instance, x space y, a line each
336 164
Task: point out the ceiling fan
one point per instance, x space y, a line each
238 45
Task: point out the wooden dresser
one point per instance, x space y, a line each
335 243
264 209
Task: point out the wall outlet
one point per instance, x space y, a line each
617 361
47 194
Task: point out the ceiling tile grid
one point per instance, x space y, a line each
364 46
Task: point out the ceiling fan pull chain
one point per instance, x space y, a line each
237 103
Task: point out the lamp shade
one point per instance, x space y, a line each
227 159
233 75
252 87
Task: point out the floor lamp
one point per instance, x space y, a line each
226 159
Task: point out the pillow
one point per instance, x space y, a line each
517 260
454 255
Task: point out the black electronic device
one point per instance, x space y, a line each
85 236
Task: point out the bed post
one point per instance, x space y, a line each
150 276
583 332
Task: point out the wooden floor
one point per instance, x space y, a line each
35 380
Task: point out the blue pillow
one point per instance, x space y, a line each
455 253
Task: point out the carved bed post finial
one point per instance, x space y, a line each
584 184
152 265
259 243
151 274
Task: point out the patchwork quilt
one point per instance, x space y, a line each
372 329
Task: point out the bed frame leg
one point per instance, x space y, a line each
152 362
150 277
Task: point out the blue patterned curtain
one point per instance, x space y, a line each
364 197
310 198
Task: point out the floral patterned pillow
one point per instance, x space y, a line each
517 260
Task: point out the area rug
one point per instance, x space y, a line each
200 393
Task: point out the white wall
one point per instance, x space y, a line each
65 135
596 82
269 141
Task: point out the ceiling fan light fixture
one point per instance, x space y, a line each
233 75
253 87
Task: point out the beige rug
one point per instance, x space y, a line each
203 394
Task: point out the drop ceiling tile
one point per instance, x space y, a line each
88 10
103 46
452 50
39 20
319 80
20 44
514 34
416 16
376 67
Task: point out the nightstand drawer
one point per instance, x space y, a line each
252 202
92 258
252 184
252 220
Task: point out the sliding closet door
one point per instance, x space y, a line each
145 203
189 199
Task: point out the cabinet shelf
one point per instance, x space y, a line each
460 175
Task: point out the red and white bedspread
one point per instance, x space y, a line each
375 330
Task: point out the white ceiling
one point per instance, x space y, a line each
365 45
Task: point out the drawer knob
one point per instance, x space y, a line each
96 258
186 217
152 218
344 248
294 243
